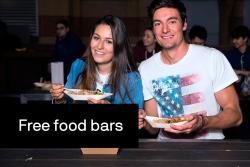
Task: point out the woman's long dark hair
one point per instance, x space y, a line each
122 62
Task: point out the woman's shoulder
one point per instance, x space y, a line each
78 62
133 75
77 66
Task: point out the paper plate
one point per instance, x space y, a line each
157 122
73 93
44 86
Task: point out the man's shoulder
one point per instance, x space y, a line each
248 51
202 48
232 51
72 36
150 61
204 51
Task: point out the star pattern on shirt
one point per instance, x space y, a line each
167 92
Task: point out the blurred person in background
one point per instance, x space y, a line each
146 47
245 87
8 41
198 35
239 55
68 46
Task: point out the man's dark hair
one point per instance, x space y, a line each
240 31
64 22
149 28
198 31
176 4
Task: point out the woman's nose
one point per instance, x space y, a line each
100 45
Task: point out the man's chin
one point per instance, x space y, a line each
168 47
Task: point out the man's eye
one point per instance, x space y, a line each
172 21
156 24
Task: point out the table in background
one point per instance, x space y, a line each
44 97
175 153
25 96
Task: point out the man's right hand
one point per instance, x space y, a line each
57 91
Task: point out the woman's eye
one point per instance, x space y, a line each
109 42
95 37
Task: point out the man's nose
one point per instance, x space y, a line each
165 28
234 41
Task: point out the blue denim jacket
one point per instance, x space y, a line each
133 82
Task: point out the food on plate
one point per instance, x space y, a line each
85 92
169 120
157 122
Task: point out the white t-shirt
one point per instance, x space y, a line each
102 80
187 86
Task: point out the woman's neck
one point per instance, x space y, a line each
150 48
104 68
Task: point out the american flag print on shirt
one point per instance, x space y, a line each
168 92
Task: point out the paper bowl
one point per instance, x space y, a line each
157 122
73 94
44 86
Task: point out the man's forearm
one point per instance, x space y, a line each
225 119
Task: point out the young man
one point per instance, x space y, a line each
68 46
239 55
186 80
198 35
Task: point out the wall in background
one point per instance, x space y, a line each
20 18
83 13
204 13
247 13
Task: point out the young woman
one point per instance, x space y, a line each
107 65
146 47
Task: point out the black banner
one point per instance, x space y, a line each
69 126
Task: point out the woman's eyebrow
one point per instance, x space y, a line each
96 34
110 38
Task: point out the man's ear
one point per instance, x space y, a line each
67 29
184 25
245 39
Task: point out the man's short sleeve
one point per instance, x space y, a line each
145 82
222 73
